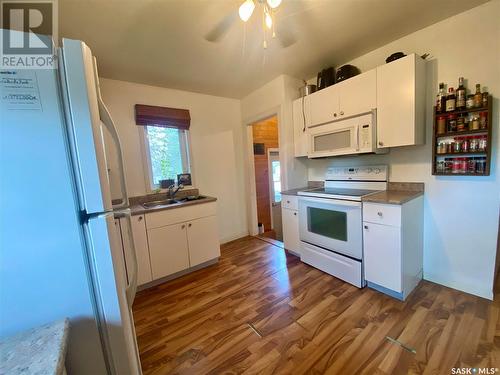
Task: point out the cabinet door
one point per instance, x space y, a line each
168 248
382 255
401 102
141 249
358 94
203 240
300 117
291 239
324 106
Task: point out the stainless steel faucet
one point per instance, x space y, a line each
172 190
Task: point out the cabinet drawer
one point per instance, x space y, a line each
382 214
179 215
290 202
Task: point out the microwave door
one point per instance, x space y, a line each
331 142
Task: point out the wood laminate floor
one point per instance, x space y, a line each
262 311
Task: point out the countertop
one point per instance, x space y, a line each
397 193
295 191
392 196
38 351
311 185
138 209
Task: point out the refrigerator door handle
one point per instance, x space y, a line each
132 282
107 120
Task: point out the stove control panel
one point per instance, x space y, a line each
363 173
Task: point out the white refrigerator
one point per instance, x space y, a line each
61 255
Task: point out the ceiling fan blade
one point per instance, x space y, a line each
285 38
221 29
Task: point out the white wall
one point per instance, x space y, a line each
275 97
216 145
461 213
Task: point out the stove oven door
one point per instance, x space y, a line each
332 224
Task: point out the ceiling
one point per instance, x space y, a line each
162 42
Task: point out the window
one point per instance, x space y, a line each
276 174
167 153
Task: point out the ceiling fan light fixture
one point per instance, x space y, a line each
246 9
268 20
274 3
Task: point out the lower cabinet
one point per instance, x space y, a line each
291 240
202 239
177 247
168 248
393 246
169 241
382 245
140 239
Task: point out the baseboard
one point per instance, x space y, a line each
177 274
233 237
454 284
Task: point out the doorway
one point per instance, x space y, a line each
267 177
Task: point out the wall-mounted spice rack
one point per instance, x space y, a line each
463 149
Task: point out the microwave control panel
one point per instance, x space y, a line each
365 136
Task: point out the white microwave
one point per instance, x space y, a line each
355 135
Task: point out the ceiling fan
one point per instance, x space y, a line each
245 11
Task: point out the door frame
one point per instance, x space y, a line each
271 182
251 191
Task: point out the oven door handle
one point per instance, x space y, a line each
332 202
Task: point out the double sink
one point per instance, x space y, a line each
168 202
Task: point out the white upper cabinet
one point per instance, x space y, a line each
352 97
358 94
323 106
300 118
401 102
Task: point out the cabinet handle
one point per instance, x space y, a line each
140 218
295 213
183 226
190 225
341 113
381 143
366 226
287 201
379 214
335 114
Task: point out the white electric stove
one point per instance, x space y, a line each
330 220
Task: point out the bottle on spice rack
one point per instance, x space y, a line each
485 99
441 99
450 100
470 101
452 122
483 120
460 94
478 97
